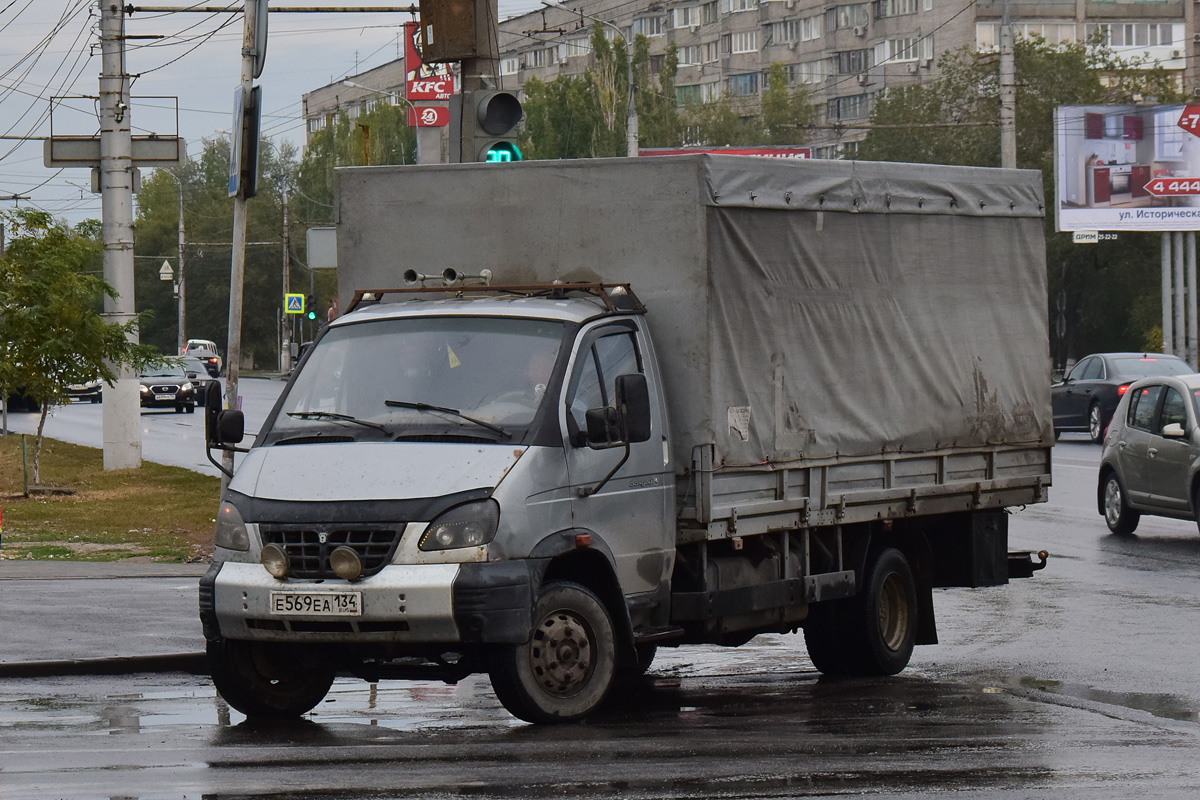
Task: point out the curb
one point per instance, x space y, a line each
191 663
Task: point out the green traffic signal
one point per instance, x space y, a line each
310 307
501 152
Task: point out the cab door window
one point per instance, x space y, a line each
1076 373
1095 370
1142 406
594 383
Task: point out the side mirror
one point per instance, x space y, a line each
1173 431
221 426
603 426
633 399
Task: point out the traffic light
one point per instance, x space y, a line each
310 307
495 115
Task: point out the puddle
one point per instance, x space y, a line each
1166 706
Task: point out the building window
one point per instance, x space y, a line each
895 51
648 26
987 34
811 27
852 62
806 73
710 51
745 42
742 5
543 57
854 107
894 8
688 95
709 13
689 56
510 66
578 47
726 43
685 17
843 17
315 124
743 84
1138 34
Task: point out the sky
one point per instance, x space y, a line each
49 49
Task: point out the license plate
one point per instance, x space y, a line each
317 604
164 397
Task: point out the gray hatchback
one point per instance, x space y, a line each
1151 458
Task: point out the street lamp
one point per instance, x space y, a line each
631 118
179 284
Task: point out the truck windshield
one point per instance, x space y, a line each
441 378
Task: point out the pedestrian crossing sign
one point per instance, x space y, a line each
293 303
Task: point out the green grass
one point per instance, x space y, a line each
155 513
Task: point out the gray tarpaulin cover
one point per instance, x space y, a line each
801 310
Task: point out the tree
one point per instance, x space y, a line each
1111 287
52 333
786 112
781 116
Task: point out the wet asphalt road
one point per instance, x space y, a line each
1077 683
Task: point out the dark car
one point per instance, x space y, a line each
197 372
1085 400
210 360
167 386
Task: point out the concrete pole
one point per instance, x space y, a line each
631 117
1193 337
1008 94
121 417
1168 330
285 347
181 337
1180 346
237 269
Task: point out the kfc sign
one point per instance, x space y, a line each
428 116
423 82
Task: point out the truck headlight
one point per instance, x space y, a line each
231 530
469 525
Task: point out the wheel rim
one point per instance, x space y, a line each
1112 502
1094 422
893 612
560 654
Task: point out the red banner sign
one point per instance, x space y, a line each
1189 120
1173 187
423 82
428 116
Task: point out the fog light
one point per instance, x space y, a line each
345 563
275 561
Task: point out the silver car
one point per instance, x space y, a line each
1151 458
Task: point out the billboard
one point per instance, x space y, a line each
1127 168
423 81
768 151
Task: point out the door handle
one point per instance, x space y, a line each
1120 444
1152 452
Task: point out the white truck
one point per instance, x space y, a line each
577 411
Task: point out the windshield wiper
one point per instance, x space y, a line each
452 411
340 417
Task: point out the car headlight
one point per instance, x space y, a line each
468 525
231 530
143 388
187 386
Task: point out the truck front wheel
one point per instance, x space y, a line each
874 632
566 668
261 680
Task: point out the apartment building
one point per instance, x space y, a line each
844 53
353 95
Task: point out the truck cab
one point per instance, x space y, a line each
441 478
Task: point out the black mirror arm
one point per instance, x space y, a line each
208 448
586 491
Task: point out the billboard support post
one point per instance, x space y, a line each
1180 347
1168 328
1193 338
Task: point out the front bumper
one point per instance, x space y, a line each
403 603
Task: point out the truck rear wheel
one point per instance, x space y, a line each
874 632
567 667
261 680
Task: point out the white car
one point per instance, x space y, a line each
204 349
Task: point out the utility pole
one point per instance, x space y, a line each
120 417
480 72
1008 93
237 270
285 347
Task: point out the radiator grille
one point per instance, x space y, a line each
308 555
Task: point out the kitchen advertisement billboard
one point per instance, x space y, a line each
1127 168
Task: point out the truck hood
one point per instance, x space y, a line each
371 470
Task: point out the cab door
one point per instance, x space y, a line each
630 511
1133 446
